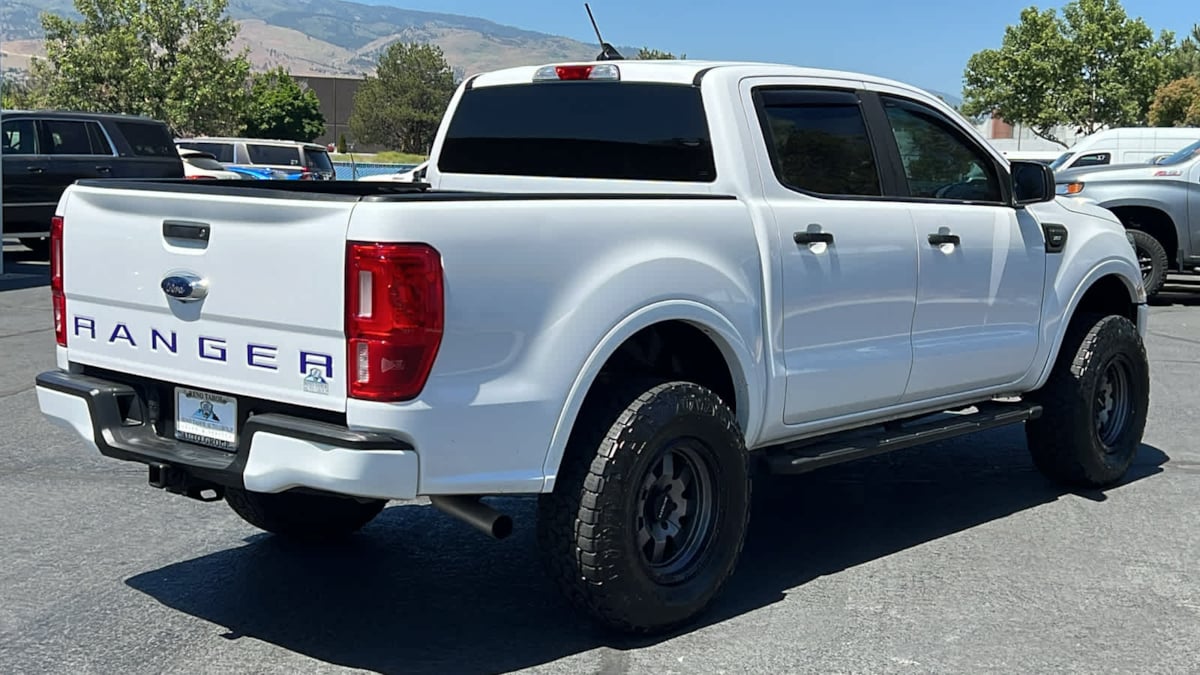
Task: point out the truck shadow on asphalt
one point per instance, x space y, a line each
418 592
23 269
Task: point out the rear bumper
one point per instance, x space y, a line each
275 452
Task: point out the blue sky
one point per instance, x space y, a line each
923 42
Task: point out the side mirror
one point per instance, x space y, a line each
1032 182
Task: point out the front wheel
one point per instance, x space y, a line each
1095 404
648 515
1152 259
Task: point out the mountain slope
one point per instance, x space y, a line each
331 37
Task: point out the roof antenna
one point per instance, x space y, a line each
607 51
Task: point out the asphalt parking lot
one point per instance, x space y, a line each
953 558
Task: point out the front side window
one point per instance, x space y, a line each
819 142
1094 159
19 137
938 162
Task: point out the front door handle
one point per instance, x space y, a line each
939 239
812 237
104 169
35 169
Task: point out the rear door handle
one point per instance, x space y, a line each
812 237
104 169
35 169
939 239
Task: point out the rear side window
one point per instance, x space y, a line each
273 154
148 139
584 129
818 142
317 160
222 151
72 137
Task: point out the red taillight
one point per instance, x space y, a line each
394 315
573 72
57 297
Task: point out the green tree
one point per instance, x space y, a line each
1185 59
280 108
341 144
401 106
647 54
1177 104
166 59
1092 67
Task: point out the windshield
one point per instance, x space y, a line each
1062 159
1183 155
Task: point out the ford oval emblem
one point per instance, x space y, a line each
184 286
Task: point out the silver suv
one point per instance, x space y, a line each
309 160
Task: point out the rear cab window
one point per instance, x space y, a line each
602 130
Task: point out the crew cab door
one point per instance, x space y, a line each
847 257
982 261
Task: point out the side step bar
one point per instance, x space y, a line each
857 444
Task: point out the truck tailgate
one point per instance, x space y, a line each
265 319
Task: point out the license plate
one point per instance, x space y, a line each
205 418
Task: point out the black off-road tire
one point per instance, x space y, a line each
1094 404
1152 257
303 516
601 525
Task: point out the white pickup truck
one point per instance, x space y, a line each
623 287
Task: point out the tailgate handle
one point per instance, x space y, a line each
182 229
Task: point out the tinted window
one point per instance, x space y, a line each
206 163
1094 159
148 139
581 130
98 140
19 137
70 137
317 160
1181 155
938 162
274 154
819 142
222 151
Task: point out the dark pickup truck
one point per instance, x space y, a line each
45 151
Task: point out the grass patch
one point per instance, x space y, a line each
385 157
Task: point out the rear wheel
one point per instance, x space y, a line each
1095 404
1152 258
648 515
303 516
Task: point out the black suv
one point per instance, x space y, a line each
44 151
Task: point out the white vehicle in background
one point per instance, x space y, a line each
414 175
198 165
1133 145
620 287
